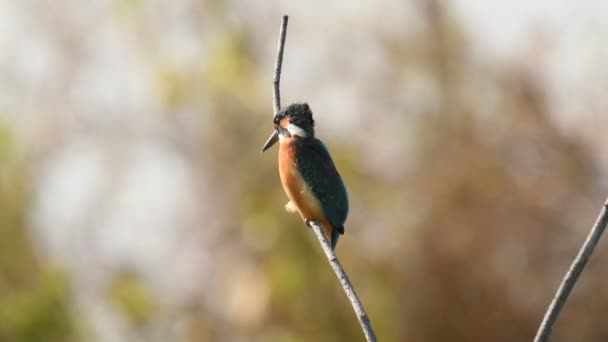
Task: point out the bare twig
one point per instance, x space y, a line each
572 276
276 80
331 256
366 325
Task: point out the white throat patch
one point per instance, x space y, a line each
296 130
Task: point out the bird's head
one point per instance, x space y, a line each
293 120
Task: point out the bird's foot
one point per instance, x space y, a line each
290 207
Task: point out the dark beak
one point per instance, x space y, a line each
274 137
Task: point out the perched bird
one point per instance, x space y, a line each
308 174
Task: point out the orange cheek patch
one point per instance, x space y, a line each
284 122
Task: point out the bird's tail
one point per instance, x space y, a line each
335 234
332 234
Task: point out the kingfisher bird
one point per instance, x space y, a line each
308 174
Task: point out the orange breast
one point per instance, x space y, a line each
295 187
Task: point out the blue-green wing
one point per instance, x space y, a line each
319 172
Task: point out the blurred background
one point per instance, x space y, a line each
135 205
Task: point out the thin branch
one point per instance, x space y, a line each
366 325
572 276
276 80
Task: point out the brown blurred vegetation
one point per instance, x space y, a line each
466 210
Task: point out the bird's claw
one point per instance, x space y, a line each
290 207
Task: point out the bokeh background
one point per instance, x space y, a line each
135 205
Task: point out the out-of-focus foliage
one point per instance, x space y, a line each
35 300
467 200
132 297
